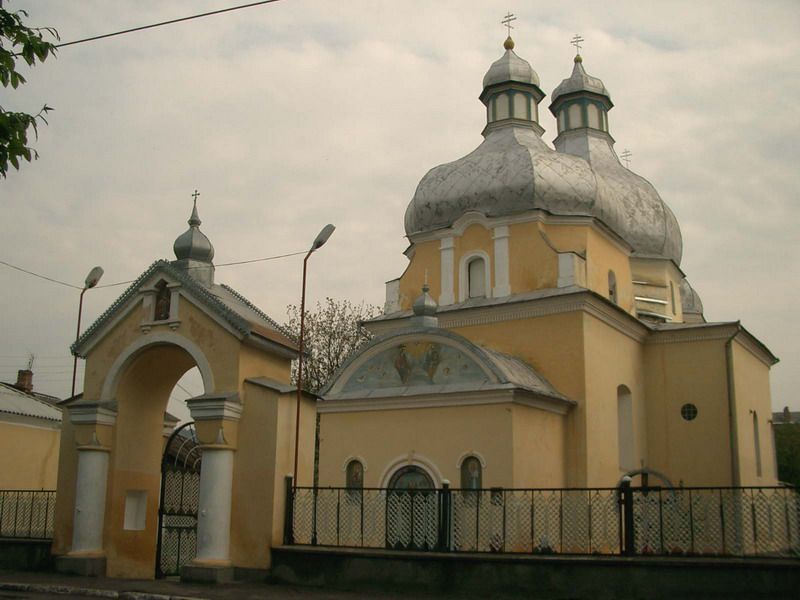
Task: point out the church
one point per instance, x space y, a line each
543 333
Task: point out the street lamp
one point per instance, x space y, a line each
91 280
319 241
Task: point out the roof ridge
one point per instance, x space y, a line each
278 327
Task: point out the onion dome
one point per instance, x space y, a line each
510 67
193 244
580 81
424 308
691 304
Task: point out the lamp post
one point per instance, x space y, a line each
91 280
319 241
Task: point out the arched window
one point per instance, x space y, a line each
471 473
562 120
476 273
520 106
757 443
625 428
575 116
163 297
354 478
612 287
502 108
594 115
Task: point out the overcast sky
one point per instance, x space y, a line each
294 114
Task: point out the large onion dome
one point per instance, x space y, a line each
193 244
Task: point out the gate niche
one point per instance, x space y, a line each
180 496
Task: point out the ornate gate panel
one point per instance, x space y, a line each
180 491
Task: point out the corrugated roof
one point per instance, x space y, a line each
17 402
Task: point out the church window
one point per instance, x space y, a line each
520 106
575 116
625 428
354 477
612 287
502 107
477 278
593 114
689 412
163 297
757 443
471 473
562 120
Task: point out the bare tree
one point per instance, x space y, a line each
333 332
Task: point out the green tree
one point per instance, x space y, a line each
18 41
787 449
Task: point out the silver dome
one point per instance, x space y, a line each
690 299
193 243
580 81
510 67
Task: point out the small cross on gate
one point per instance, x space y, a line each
576 41
626 156
507 22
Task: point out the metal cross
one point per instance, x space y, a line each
576 41
195 195
626 156
507 22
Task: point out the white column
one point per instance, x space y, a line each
214 515
502 286
447 257
90 500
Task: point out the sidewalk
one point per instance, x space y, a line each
169 589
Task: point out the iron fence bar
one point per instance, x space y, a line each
589 509
503 499
46 516
361 507
755 530
660 521
786 518
30 518
16 513
691 523
314 499
533 516
338 519
478 495
288 517
722 521
386 517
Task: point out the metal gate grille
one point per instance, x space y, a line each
180 492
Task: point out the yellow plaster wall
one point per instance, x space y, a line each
553 346
658 274
475 237
28 456
438 435
603 256
752 394
533 263
693 452
539 447
612 359
426 257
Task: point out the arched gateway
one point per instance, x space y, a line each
117 434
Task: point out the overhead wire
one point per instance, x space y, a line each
162 23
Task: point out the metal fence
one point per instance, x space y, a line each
27 514
761 521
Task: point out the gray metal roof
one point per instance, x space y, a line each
510 67
580 81
17 402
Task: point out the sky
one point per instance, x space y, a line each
299 113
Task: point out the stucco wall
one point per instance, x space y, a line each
28 456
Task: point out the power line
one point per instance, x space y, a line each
77 287
170 22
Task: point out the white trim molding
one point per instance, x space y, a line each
411 459
215 406
353 457
469 453
92 414
447 257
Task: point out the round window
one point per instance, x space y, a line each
689 412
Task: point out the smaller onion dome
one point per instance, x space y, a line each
510 67
580 81
425 308
691 304
193 244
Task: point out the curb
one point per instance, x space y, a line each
90 592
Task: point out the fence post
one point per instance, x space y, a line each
288 513
445 517
626 501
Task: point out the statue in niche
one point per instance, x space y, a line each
163 299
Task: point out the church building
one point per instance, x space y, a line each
543 333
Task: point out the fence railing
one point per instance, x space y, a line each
762 521
27 514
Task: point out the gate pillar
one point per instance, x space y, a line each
216 417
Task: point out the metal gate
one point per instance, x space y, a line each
177 511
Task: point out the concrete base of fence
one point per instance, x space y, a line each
516 576
86 566
25 555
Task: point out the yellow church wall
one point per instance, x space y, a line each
475 237
426 258
553 346
437 436
690 452
659 279
752 398
28 456
539 447
533 264
602 256
613 359
254 362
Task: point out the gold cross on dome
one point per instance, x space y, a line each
576 41
626 156
507 22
